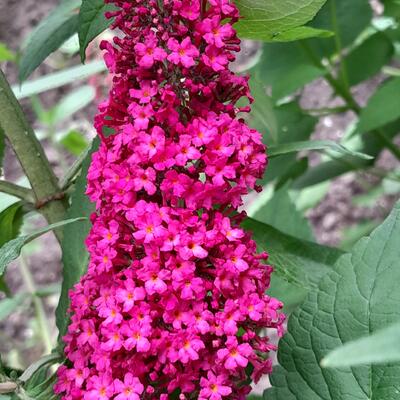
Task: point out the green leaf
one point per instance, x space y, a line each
92 22
10 222
281 213
380 347
74 253
285 67
5 53
295 147
12 249
297 261
58 79
48 36
383 107
75 142
355 299
371 145
350 18
37 365
263 20
361 66
299 33
2 148
73 102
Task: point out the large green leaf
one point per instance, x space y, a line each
92 22
361 66
383 107
12 249
48 36
264 20
75 256
380 347
346 18
297 261
281 213
357 298
285 67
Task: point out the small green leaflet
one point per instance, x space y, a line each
12 249
310 145
92 22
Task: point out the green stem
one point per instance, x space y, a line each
41 318
30 154
346 95
17 191
66 181
339 49
326 110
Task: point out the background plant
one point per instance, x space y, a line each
350 291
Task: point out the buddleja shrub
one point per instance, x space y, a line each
174 297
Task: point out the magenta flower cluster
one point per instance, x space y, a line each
173 304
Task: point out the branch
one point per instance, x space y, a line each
17 191
30 154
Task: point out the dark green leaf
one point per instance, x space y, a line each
295 147
12 249
281 213
75 256
380 347
10 222
383 107
392 8
48 36
297 261
361 66
92 22
263 20
292 125
350 17
355 299
285 67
